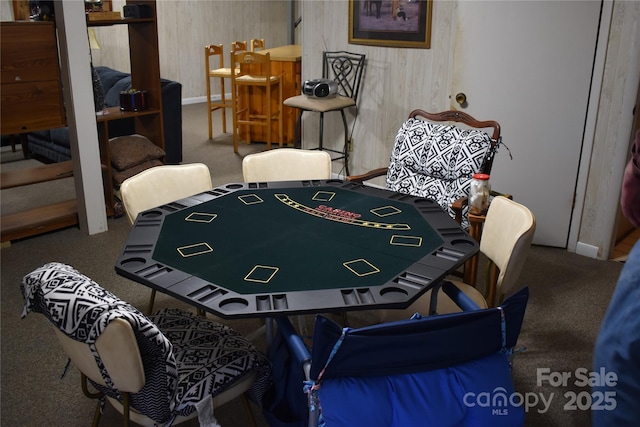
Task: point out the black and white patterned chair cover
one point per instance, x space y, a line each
186 358
437 161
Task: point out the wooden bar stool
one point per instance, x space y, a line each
257 44
221 73
239 46
254 74
346 70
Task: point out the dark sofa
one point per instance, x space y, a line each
53 145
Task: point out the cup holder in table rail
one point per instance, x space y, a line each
234 304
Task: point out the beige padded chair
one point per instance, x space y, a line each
136 370
162 184
506 240
120 355
286 164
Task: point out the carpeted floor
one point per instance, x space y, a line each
569 295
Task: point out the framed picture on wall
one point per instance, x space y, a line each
391 23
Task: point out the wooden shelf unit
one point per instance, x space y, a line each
145 75
147 117
35 175
119 21
24 109
41 219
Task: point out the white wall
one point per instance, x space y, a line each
6 10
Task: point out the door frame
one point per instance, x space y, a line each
590 125
599 243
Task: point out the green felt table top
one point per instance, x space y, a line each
291 239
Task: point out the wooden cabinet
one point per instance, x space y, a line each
145 75
31 91
286 61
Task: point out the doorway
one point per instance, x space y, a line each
540 99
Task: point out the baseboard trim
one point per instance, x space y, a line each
201 99
587 250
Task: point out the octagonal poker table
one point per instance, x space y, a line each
263 249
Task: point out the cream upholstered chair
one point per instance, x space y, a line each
151 369
506 240
163 184
160 185
286 164
254 75
210 53
346 70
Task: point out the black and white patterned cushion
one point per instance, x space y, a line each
436 161
186 358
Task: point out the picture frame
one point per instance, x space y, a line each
391 23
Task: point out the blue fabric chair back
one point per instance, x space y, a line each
447 370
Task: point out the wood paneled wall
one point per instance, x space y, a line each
186 26
396 81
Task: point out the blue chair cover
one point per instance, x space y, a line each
446 370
